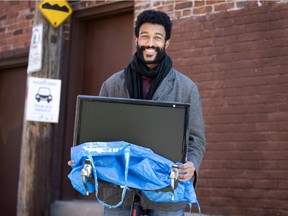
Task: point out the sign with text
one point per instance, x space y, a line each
55 12
36 47
43 100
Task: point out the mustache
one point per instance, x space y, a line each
150 47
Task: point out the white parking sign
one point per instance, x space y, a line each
43 100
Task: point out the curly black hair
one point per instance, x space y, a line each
154 17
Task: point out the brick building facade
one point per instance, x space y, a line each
237 53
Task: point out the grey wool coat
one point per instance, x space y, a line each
176 87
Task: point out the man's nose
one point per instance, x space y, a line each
150 42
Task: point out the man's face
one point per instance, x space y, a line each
151 43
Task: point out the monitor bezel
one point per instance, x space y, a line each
91 98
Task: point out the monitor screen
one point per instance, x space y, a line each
160 126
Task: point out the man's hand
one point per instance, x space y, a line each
186 171
71 162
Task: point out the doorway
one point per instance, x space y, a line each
101 45
12 99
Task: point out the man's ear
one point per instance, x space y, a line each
167 43
136 40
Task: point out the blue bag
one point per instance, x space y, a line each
129 166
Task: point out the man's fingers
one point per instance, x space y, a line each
185 176
71 162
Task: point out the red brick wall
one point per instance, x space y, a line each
239 59
16 21
179 9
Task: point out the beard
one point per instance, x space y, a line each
158 58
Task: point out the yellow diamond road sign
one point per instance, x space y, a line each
55 12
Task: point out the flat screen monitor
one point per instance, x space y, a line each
159 126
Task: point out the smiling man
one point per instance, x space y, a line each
151 76
151 44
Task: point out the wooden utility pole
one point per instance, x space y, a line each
34 188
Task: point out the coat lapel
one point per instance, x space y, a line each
165 87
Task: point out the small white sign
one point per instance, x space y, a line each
36 47
43 100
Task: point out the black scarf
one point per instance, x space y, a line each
136 69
